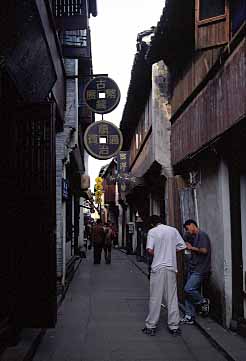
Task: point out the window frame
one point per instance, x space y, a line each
211 22
211 19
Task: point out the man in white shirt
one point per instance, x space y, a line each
162 243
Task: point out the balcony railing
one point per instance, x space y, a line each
71 14
76 44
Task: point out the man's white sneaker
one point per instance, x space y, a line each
187 320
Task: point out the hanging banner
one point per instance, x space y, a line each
123 169
123 163
102 94
103 140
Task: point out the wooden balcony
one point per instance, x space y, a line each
71 14
76 44
214 108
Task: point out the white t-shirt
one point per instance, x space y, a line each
165 241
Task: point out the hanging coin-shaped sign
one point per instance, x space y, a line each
103 140
101 94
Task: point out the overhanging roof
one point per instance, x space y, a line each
138 93
174 33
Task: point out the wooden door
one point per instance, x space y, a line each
31 216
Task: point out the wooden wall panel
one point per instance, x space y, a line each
217 107
212 34
109 193
193 76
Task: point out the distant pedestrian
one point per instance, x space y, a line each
108 242
198 270
162 243
115 235
98 239
88 234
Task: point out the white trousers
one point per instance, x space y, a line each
163 284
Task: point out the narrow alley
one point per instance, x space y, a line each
123 127
102 315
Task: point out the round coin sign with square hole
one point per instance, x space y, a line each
103 140
101 94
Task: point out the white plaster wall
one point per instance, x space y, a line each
86 162
226 226
81 224
214 218
161 126
64 142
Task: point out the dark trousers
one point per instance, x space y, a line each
97 253
107 253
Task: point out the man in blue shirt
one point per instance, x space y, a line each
199 270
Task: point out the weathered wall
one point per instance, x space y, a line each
161 126
214 218
64 141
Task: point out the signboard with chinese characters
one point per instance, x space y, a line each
102 94
103 140
131 227
122 169
65 189
123 163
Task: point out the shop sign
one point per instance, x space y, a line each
122 169
65 189
123 163
103 140
102 94
131 227
99 190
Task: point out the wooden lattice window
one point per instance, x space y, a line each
68 7
71 14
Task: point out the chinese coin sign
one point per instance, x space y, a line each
102 94
103 140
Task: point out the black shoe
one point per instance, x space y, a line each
149 331
175 331
205 307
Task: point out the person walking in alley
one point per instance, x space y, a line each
198 271
162 243
98 239
108 242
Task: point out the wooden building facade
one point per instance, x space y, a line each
146 129
32 113
207 68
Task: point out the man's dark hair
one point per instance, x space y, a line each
154 219
188 222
